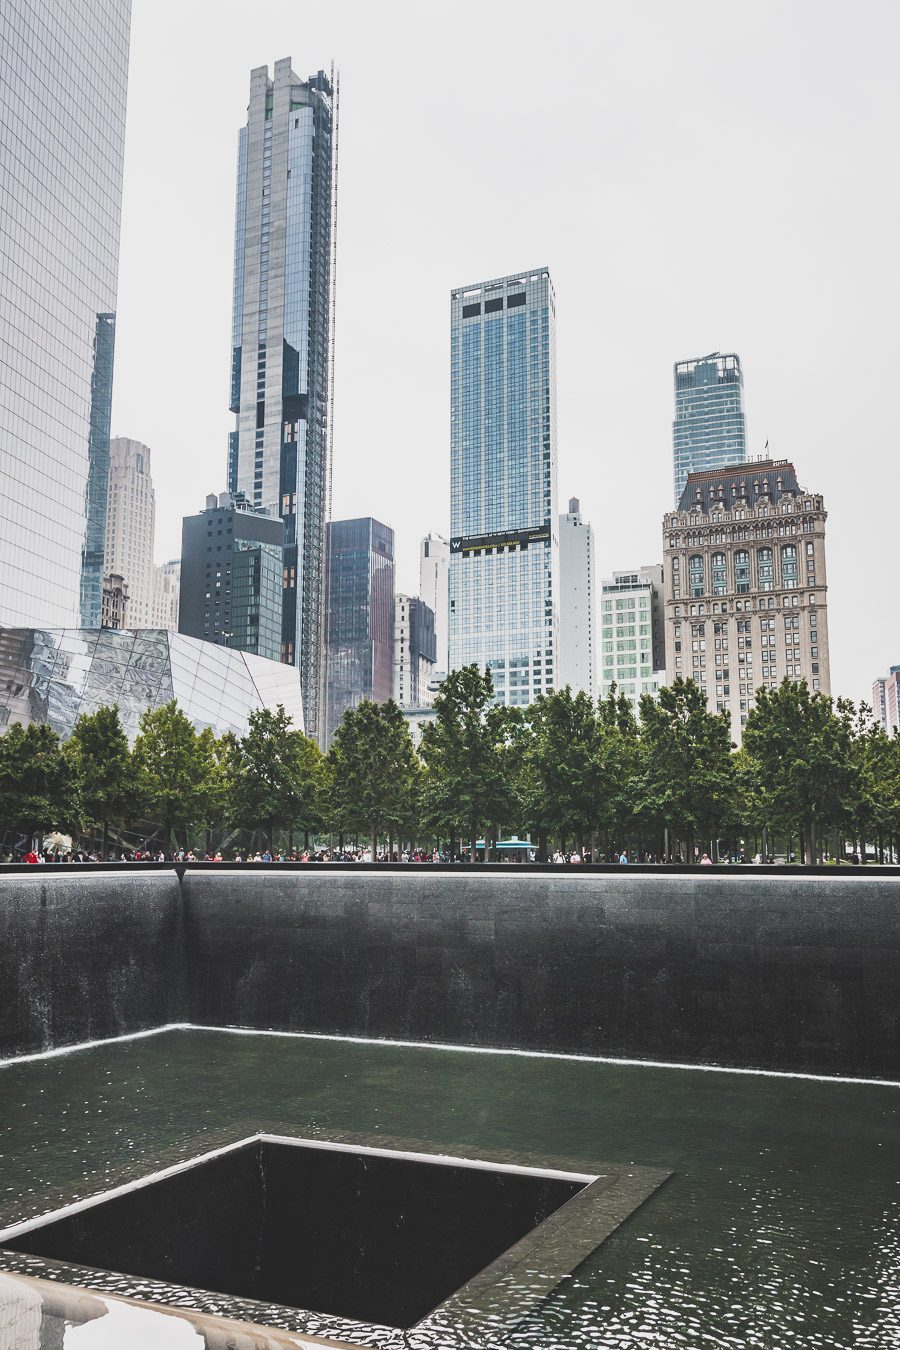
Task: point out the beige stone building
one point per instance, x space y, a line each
745 585
130 530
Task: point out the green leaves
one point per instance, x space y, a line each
373 770
470 756
39 787
277 775
99 752
803 751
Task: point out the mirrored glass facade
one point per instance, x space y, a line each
360 615
54 675
281 341
504 547
63 74
709 430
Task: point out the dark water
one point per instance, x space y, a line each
780 1227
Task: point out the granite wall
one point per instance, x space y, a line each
750 969
86 955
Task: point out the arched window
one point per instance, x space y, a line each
742 571
695 574
765 568
717 569
789 567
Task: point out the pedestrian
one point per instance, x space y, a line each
706 861
623 858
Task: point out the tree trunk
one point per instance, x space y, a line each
373 843
105 840
473 840
390 845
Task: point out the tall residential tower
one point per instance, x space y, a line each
709 429
279 452
577 661
504 551
63 76
434 588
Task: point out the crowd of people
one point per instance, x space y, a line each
364 855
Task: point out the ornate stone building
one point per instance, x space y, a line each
745 585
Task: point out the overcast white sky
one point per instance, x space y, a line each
697 176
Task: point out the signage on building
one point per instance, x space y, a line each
470 543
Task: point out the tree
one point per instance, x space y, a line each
561 766
219 756
278 775
372 769
870 793
99 751
803 751
39 787
687 776
618 766
171 769
469 782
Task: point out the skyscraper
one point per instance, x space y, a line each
709 431
130 535
414 651
360 615
504 571
746 594
279 452
231 577
63 77
577 660
434 588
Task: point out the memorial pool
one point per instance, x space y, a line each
780 1225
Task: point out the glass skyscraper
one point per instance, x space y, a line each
504 550
360 615
63 77
279 452
709 430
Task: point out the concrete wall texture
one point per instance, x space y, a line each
766 971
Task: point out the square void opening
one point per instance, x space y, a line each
354 1233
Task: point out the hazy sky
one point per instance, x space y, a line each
697 176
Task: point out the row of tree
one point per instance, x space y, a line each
567 770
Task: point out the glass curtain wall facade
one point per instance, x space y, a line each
63 77
279 452
360 615
709 430
504 549
55 675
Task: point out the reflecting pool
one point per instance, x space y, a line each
779 1226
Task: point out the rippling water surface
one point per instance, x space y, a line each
780 1227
